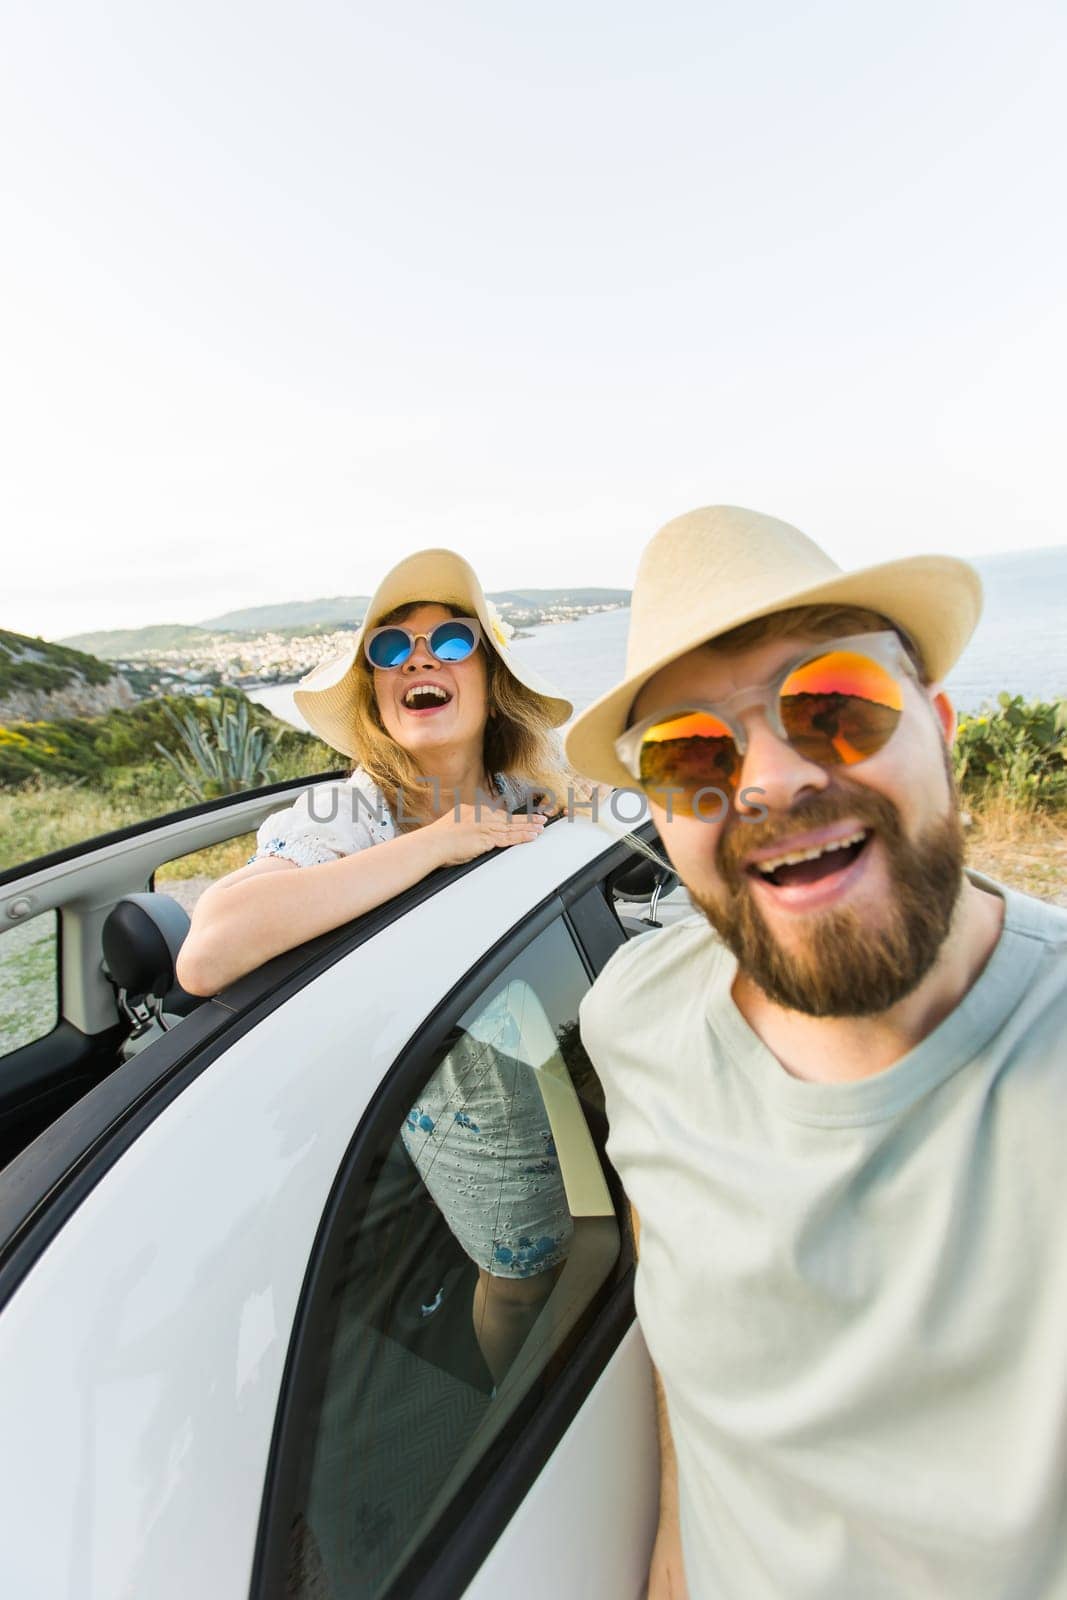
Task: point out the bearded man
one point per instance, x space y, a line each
836 1095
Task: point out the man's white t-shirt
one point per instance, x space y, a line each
855 1294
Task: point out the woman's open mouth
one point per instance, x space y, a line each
423 699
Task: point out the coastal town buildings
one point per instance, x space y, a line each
246 661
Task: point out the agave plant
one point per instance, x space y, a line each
230 754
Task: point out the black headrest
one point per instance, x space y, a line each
638 879
141 939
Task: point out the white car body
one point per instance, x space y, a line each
144 1343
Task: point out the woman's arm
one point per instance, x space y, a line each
505 1309
273 905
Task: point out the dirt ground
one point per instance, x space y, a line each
186 891
1025 852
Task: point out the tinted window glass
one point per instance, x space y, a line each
480 1242
29 981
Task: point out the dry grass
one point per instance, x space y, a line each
40 818
44 816
1018 846
36 820
214 862
1025 849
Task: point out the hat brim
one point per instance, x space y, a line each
326 697
936 600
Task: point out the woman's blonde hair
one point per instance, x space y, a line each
520 740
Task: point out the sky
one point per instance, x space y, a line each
288 292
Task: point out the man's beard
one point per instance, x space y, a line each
840 967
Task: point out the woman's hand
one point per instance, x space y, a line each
469 831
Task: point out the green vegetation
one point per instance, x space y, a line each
300 616
228 755
85 748
97 750
28 982
27 663
64 782
118 643
1015 754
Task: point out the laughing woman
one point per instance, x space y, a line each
439 717
436 711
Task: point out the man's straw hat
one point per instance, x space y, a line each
713 569
326 697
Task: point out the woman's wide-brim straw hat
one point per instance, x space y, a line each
326 696
714 569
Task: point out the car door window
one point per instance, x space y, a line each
483 1237
186 877
29 980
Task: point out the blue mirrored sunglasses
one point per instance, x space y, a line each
450 641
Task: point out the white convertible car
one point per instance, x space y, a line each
238 1337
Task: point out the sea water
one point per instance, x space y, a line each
1020 644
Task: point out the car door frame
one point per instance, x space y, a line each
80 883
43 1185
460 1545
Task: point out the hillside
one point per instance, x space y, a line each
291 614
40 680
304 617
117 643
350 608
87 749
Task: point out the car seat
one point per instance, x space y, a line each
141 939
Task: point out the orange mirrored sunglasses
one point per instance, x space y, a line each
836 705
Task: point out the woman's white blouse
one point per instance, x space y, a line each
331 820
480 1127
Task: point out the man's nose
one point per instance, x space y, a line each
776 772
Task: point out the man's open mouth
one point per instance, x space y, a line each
809 866
426 697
